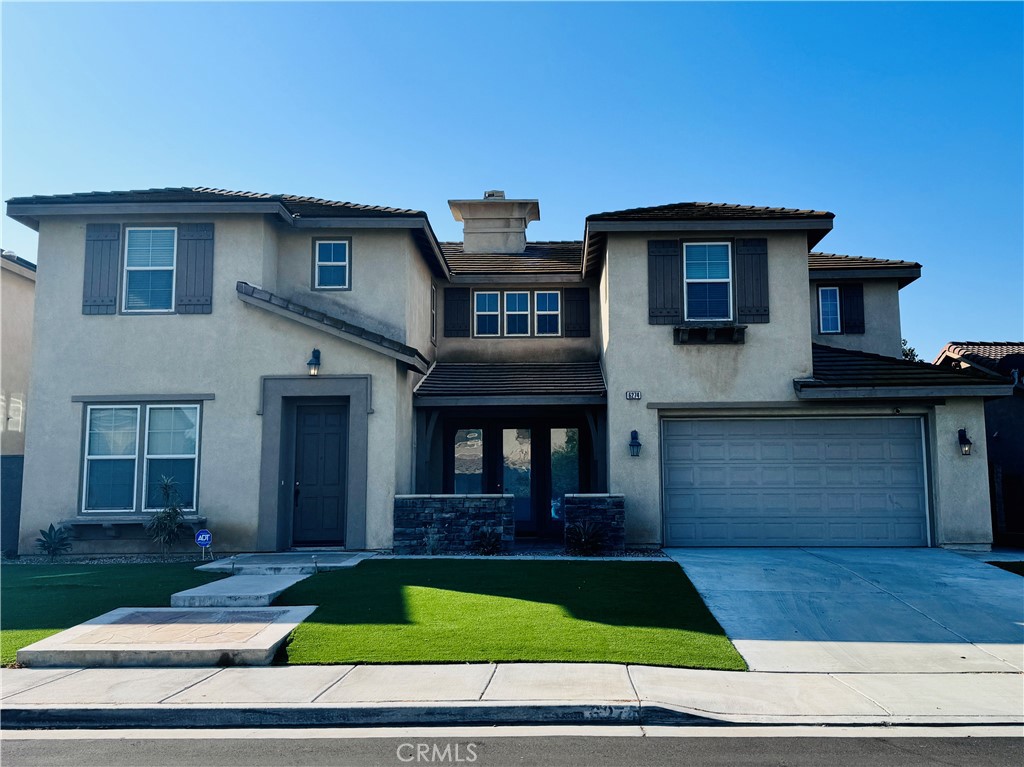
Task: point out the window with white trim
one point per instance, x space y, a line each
549 313
486 314
149 261
829 320
128 451
331 268
433 312
707 281
517 314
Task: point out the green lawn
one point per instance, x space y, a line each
1013 567
432 611
39 600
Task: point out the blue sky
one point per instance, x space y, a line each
906 121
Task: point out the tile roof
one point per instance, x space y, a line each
281 305
538 258
709 211
836 368
8 255
998 356
816 260
474 379
310 207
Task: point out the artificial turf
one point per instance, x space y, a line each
433 611
40 600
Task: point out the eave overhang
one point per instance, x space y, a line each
905 275
818 391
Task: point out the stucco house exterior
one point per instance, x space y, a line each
321 373
1004 424
17 296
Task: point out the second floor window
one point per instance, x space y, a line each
486 314
708 281
548 314
149 269
331 265
828 310
517 314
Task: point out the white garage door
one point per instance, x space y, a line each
794 482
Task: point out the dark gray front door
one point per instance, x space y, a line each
320 482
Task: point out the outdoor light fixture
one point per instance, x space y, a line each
634 444
314 363
965 443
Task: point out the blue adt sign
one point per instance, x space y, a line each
204 538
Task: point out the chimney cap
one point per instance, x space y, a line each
494 194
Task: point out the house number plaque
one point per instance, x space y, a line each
634 395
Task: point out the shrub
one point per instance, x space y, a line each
488 542
54 541
585 539
166 527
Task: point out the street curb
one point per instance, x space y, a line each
455 714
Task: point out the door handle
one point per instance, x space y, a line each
296 493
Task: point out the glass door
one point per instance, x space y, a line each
517 475
565 472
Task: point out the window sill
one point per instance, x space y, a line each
709 333
113 524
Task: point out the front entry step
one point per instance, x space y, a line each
169 636
237 591
286 562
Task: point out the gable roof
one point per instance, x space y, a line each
999 357
564 257
847 374
834 266
335 326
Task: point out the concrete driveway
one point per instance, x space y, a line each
862 610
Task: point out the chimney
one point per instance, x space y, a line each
494 224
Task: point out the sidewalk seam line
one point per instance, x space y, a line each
489 680
333 684
862 694
43 684
186 688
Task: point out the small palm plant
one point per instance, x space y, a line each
168 525
54 541
586 539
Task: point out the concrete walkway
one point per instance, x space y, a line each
473 694
862 610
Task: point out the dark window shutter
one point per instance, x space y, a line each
851 299
752 280
456 313
664 283
102 267
577 312
193 283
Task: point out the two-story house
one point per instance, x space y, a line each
319 373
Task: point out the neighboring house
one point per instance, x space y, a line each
1004 424
17 298
466 384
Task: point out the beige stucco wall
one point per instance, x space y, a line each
882 333
521 349
642 356
223 353
960 491
17 292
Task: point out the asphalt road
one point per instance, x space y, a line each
588 751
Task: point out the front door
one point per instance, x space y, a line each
320 482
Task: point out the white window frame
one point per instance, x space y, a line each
146 456
497 314
517 313
347 264
433 312
126 269
839 312
86 458
727 281
547 313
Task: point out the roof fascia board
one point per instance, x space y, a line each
511 399
413 361
860 273
18 269
754 224
129 208
803 391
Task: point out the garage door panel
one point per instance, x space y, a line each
785 482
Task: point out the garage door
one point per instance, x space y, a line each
794 482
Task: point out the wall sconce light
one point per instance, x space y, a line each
965 443
314 363
634 444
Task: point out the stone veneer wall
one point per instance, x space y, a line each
451 524
607 509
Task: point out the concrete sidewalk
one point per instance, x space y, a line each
485 693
